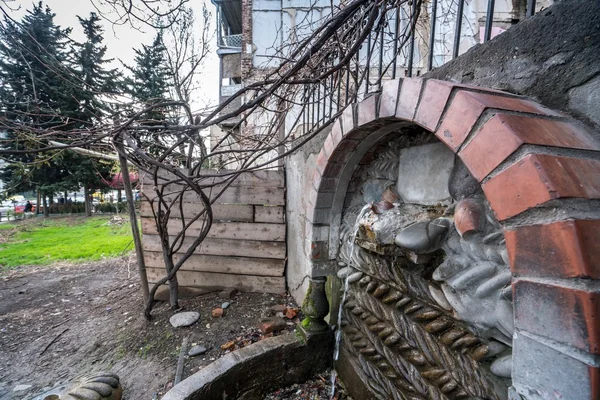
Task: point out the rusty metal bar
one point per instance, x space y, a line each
489 21
432 36
459 18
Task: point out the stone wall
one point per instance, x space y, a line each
540 172
553 57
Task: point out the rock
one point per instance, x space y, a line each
279 308
440 298
291 313
228 346
228 293
217 312
461 183
225 305
502 366
343 273
355 276
186 318
197 350
272 325
21 388
424 236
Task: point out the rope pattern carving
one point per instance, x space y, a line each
383 379
442 350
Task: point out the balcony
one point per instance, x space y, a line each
233 42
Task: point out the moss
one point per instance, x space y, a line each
305 322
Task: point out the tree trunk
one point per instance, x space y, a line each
137 241
38 201
86 201
119 195
46 209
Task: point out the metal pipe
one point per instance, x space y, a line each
368 66
411 49
396 38
489 21
459 17
380 69
530 8
432 35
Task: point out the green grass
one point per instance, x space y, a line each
75 239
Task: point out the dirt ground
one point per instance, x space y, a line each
62 321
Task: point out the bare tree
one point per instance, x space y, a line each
315 80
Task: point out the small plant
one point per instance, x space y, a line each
145 350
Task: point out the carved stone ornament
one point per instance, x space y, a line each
102 386
315 307
428 312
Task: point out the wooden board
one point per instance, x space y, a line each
224 230
222 264
225 247
216 281
273 214
221 212
232 195
267 178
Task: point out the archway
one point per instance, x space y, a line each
540 173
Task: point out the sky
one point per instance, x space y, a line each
120 40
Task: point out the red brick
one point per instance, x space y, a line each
466 108
217 312
367 110
389 98
328 146
566 315
318 250
565 249
322 161
337 132
503 134
409 98
316 180
538 178
433 102
272 325
348 119
333 170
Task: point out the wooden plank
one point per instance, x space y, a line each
222 264
223 230
273 214
225 247
232 195
221 212
214 281
267 178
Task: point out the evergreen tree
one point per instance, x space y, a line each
149 84
38 87
98 81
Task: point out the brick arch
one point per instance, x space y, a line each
540 172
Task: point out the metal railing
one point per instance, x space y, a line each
403 37
230 41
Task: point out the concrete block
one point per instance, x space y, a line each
541 372
424 173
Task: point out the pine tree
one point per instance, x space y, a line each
38 86
98 82
149 84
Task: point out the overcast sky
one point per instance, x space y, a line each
121 39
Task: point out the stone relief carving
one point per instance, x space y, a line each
428 313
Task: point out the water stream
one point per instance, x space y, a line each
338 332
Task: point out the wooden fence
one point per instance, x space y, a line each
245 248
